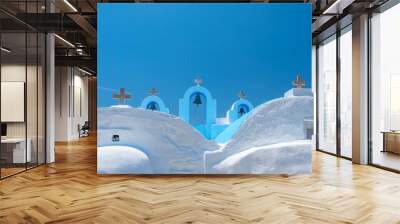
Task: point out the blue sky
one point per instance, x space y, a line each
258 48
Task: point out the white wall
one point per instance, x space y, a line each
71 102
17 73
34 125
80 112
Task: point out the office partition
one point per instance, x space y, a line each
23 87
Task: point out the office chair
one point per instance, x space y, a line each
84 130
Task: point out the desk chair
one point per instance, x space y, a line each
84 130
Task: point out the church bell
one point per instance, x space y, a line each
197 99
241 111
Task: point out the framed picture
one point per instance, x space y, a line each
204 89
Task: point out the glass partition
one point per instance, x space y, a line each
22 88
334 101
327 95
13 105
385 89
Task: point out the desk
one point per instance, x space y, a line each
391 141
16 147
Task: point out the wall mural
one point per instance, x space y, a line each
204 89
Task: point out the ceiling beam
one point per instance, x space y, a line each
86 26
77 61
338 6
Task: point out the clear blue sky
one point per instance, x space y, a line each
258 48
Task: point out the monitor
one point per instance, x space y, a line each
3 129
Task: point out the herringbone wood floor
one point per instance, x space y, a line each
70 191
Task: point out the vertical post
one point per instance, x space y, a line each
313 64
50 92
369 90
360 90
338 81
26 87
316 99
0 98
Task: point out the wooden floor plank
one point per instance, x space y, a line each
70 191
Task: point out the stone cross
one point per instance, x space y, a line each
241 94
299 82
153 91
198 81
122 96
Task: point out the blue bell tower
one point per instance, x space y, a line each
154 102
198 92
239 108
